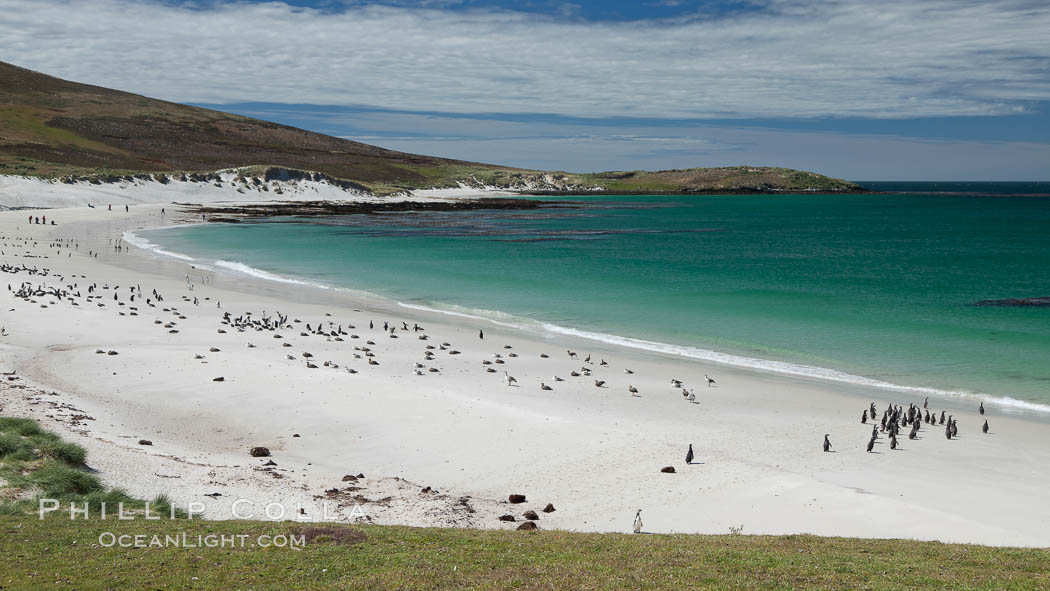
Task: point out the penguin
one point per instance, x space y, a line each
955 428
871 444
984 428
638 522
864 418
948 432
926 403
981 409
942 417
893 442
874 433
827 442
872 410
689 455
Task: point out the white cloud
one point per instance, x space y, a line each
839 58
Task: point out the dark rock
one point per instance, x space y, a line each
270 463
530 515
507 518
359 475
145 442
260 452
528 526
516 499
1041 302
667 469
549 508
219 379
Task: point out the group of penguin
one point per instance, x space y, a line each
895 417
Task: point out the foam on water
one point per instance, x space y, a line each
135 240
781 367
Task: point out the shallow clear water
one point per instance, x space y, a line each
879 286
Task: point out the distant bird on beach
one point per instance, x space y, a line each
545 386
509 379
599 383
628 372
864 417
827 443
572 354
871 444
710 380
981 409
638 522
984 428
632 390
689 455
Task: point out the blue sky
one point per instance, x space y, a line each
894 90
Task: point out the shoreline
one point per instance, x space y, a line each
1008 404
595 453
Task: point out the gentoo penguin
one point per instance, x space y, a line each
984 428
638 522
871 444
981 409
689 455
827 443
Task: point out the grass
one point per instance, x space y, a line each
59 552
36 464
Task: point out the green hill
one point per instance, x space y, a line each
53 128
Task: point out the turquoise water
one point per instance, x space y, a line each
878 286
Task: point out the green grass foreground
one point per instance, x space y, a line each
59 553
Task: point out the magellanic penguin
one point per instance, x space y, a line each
871 444
827 442
864 417
984 428
981 409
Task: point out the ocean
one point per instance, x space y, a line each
874 288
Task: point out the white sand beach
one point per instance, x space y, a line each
595 453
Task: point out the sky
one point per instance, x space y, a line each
888 90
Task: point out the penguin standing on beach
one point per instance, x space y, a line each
864 417
981 409
689 455
481 334
893 442
984 428
827 443
638 522
942 417
871 444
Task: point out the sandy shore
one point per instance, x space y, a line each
594 453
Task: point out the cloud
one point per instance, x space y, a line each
838 58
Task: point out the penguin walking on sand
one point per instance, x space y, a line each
481 334
689 455
948 432
893 442
638 522
871 444
942 417
984 428
864 417
827 443
926 403
981 409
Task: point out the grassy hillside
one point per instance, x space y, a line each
56 552
53 128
